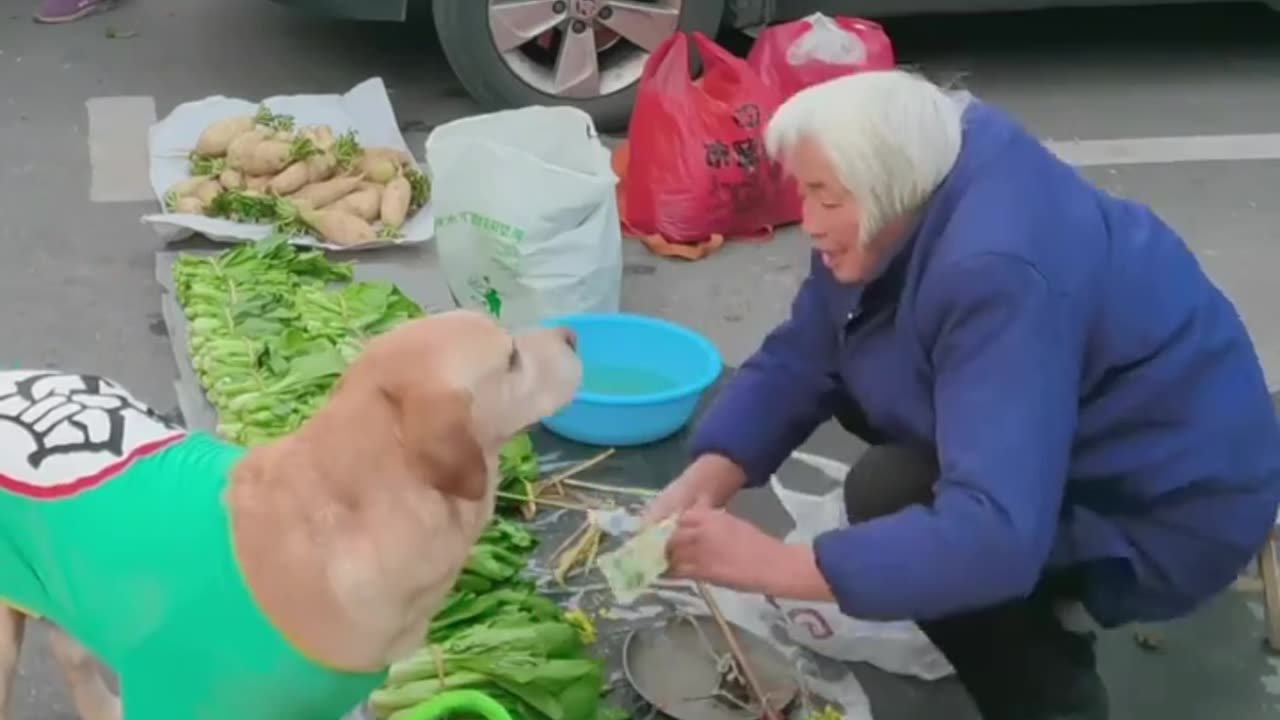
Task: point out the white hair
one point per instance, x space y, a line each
891 136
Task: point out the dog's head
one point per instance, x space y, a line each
459 386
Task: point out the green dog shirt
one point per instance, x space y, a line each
113 526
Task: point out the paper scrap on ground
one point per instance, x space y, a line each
633 568
615 522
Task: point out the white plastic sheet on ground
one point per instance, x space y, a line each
896 647
817 637
366 109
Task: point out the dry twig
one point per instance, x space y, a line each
620 490
556 479
547 501
739 657
581 549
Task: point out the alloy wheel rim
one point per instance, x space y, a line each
580 49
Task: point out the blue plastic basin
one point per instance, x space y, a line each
642 379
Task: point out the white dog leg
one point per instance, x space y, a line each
12 624
92 698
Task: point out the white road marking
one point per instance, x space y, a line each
1271 683
1158 150
118 155
118 127
1258 610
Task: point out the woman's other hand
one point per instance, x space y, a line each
711 480
711 545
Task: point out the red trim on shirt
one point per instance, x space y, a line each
80 484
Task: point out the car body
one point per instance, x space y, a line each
511 53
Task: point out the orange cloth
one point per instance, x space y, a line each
657 244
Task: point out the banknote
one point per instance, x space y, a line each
632 568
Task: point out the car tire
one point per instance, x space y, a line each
463 27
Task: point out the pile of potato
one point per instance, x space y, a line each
261 169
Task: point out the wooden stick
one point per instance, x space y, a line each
572 536
567 560
594 550
544 501
584 465
528 508
1270 574
739 656
642 492
584 500
589 545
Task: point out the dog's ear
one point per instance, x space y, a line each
435 428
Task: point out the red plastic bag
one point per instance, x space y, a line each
697 167
793 56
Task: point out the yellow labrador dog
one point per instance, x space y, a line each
276 583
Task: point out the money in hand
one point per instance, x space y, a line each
638 563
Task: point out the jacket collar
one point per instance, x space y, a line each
851 300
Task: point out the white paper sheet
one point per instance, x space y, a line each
366 109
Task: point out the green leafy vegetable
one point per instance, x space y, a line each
518 464
203 165
507 641
251 206
390 232
419 188
301 148
346 149
268 338
266 328
246 206
269 119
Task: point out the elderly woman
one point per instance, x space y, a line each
1064 411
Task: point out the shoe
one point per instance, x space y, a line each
60 11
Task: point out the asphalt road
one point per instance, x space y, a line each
77 283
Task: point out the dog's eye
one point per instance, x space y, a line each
513 360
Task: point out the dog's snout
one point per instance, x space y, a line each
569 336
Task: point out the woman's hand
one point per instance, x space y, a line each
713 546
710 480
